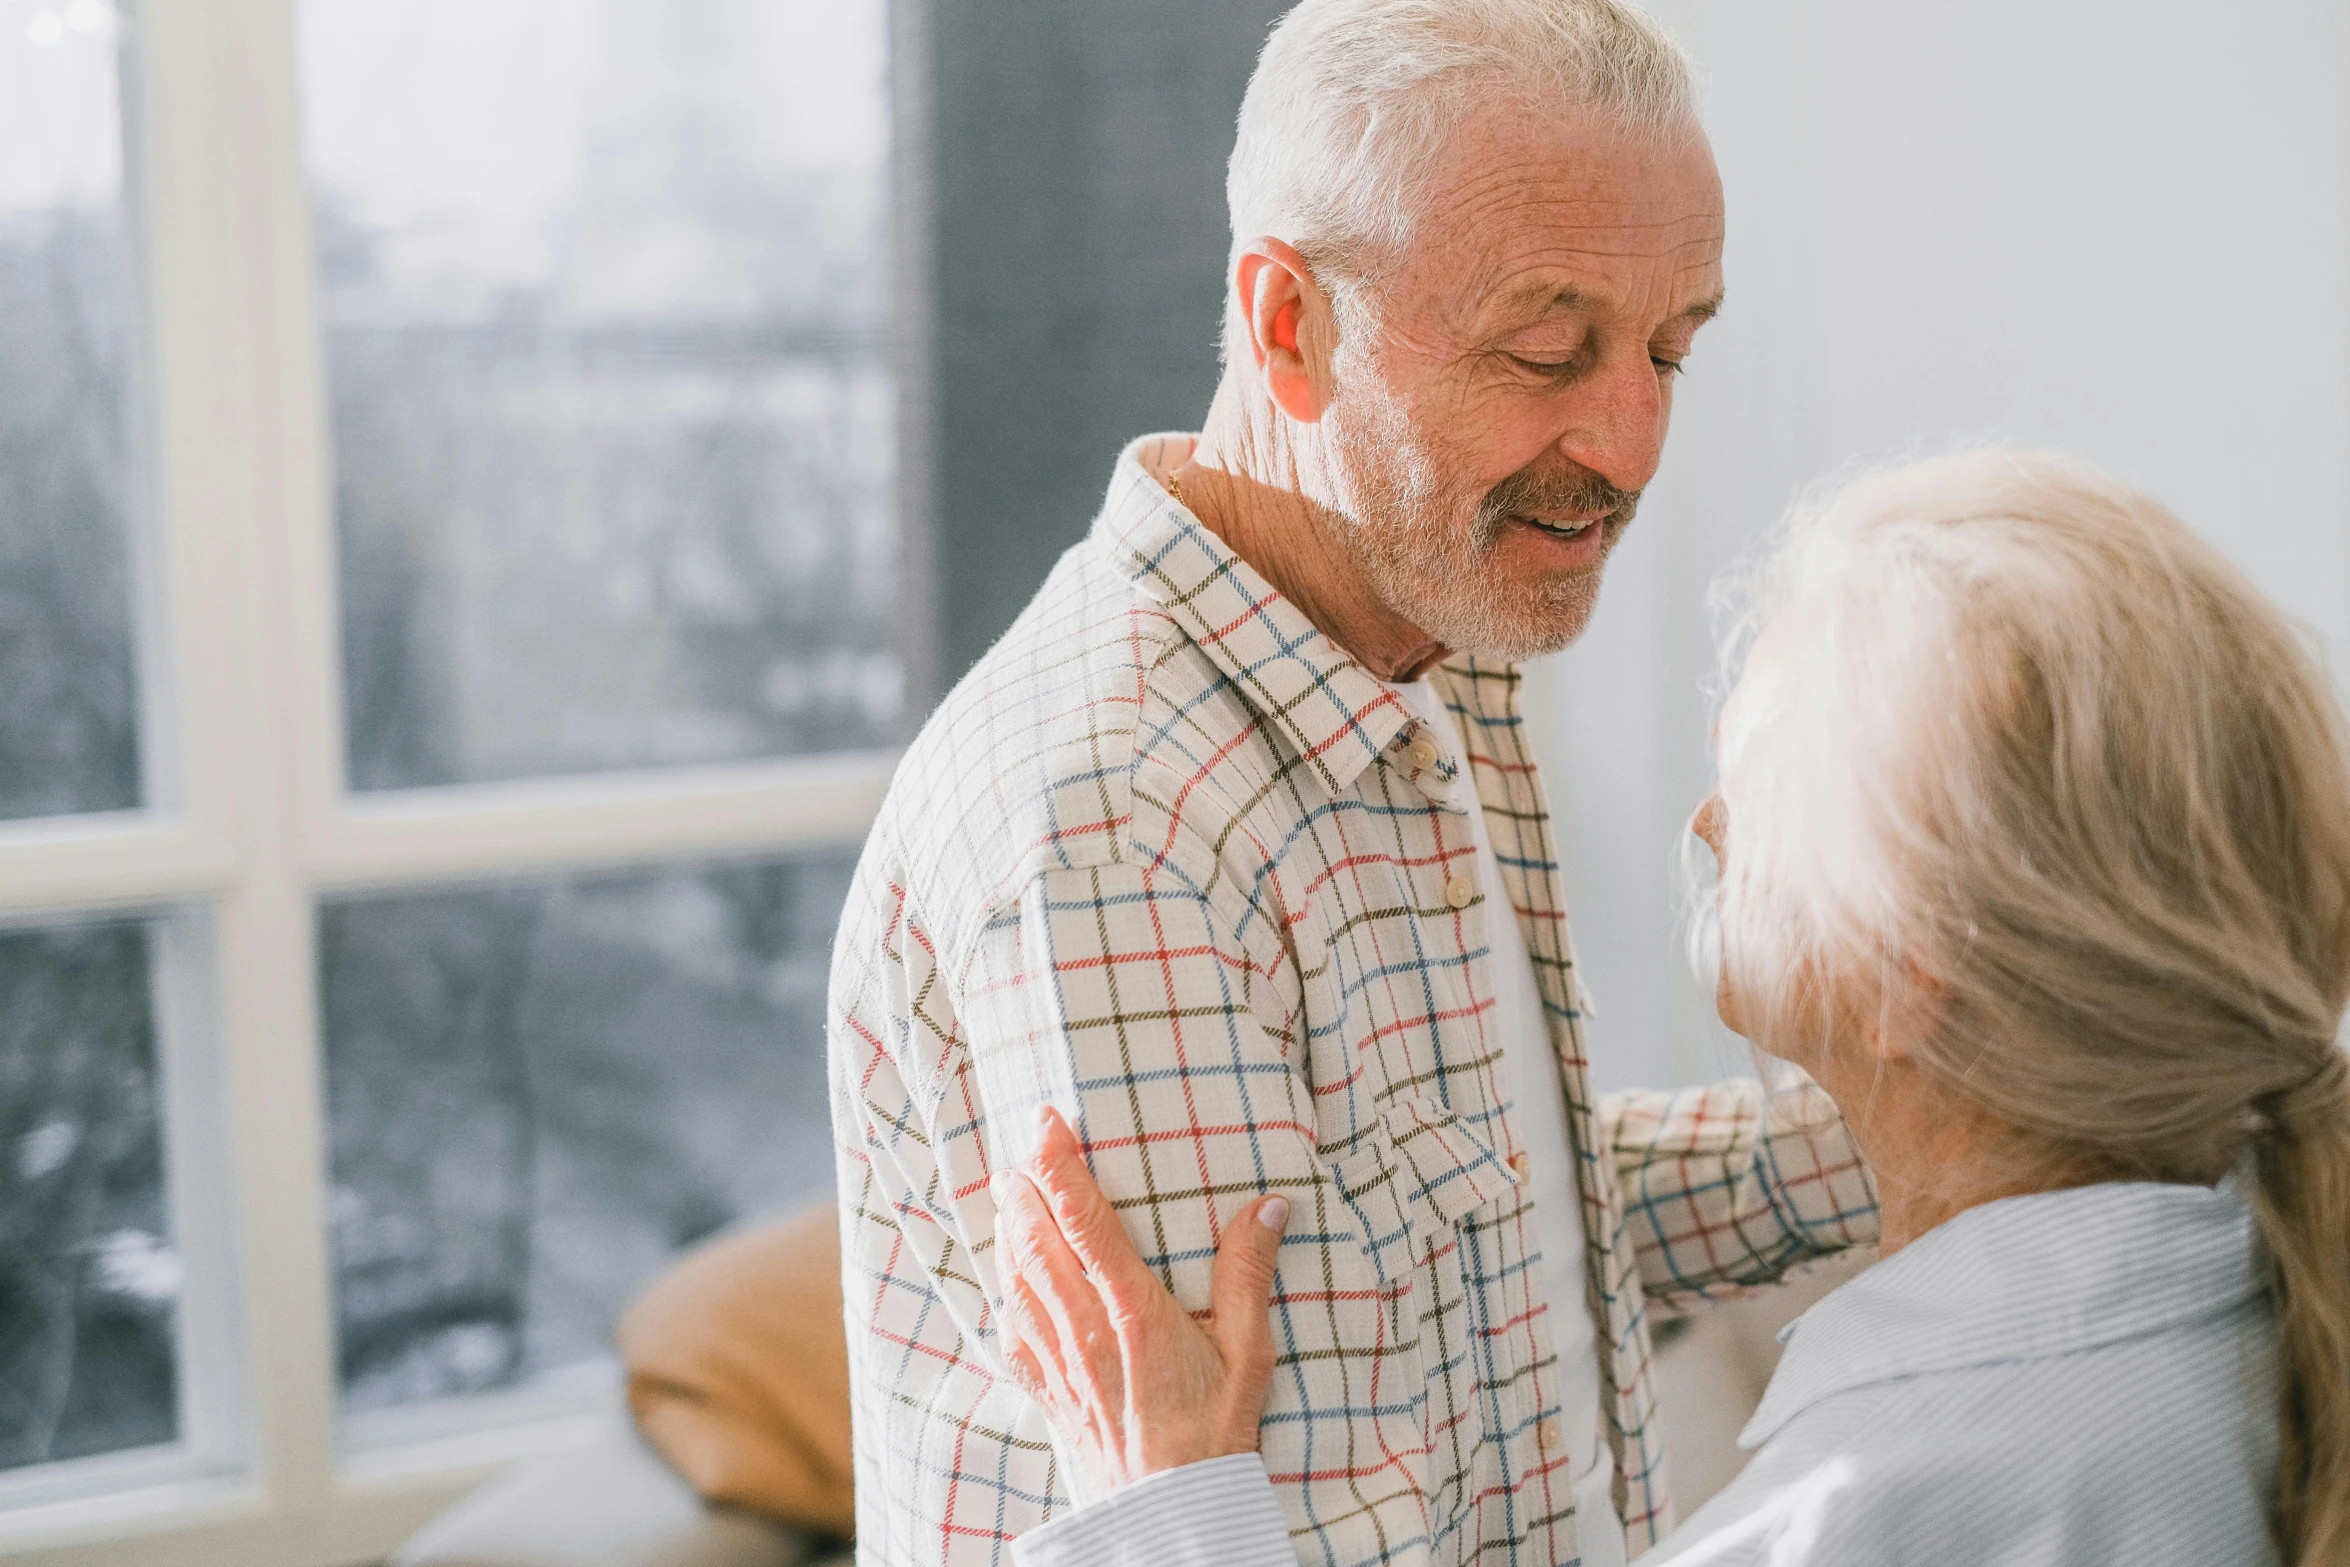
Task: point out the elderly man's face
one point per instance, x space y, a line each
1503 399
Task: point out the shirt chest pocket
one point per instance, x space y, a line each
1417 1187
1419 1171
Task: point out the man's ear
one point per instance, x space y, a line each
1290 328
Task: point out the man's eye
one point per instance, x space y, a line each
1668 366
1550 367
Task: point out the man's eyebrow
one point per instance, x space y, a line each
1542 299
1545 298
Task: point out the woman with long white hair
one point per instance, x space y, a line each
2033 836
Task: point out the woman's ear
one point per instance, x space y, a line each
1291 330
1911 1007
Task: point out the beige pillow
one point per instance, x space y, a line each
738 1371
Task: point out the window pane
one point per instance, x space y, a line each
539 1093
68 702
88 1276
603 287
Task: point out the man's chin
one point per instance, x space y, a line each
1512 639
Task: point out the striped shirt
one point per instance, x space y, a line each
2060 1380
1172 860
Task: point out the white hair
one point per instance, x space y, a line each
1353 100
2022 769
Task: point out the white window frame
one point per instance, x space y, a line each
248 823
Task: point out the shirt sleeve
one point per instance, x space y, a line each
1220 1513
1140 1007
1731 1185
1152 1004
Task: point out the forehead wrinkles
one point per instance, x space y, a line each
1522 232
1521 289
1630 211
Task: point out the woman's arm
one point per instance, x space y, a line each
1135 1387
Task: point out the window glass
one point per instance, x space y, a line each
603 286
68 698
88 1275
538 1093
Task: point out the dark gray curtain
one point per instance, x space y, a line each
1077 168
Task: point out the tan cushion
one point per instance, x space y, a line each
738 1370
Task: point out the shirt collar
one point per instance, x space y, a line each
1338 715
2021 1279
1439 769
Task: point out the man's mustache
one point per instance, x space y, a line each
1551 495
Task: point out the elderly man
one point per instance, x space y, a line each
1232 852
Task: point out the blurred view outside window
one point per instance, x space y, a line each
603 285
88 1275
68 704
538 1093
603 289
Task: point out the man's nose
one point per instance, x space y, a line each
1618 424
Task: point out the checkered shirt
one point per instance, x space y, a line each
1172 860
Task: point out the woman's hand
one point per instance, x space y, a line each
1131 1383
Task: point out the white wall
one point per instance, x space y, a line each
2120 229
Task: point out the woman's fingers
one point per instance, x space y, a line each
1024 1316
1027 1372
1242 1290
1046 1276
1129 1380
1087 1221
1032 1342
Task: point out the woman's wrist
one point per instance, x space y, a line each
1218 1512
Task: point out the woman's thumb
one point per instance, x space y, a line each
1242 1288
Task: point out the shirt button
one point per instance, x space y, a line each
1550 1436
1522 1168
1423 755
1460 892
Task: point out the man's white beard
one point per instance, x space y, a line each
1426 552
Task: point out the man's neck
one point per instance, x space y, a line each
1250 485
